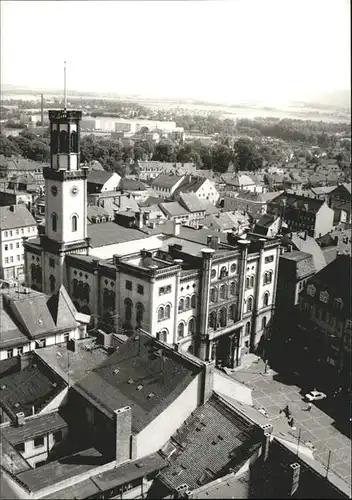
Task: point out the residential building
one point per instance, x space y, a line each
165 185
235 222
340 201
302 213
31 320
269 225
301 241
149 170
16 223
192 203
100 181
253 203
242 182
325 315
202 187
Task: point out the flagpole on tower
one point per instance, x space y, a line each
65 89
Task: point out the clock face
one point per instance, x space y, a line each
74 190
54 190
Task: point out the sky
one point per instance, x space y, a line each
270 51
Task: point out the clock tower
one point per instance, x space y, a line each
65 198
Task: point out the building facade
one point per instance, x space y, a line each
16 223
213 299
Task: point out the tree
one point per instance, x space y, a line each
165 151
247 156
222 157
6 146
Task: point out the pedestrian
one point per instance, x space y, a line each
309 406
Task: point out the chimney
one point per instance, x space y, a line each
208 380
177 226
289 248
20 419
294 471
25 360
123 430
139 217
12 208
209 241
268 429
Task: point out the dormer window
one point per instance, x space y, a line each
324 297
338 303
311 290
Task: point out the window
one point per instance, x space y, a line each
19 351
213 294
188 303
311 290
161 290
223 317
38 441
249 304
181 330
268 276
74 222
264 323
128 285
191 326
168 289
22 231
181 305
212 320
167 311
10 353
251 282
213 273
266 299
11 259
6 247
11 246
128 309
54 222
233 267
51 262
139 313
222 292
248 328
6 234
17 231
6 260
232 312
57 436
193 301
161 313
17 245
10 233
338 303
18 257
52 282
140 289
268 259
20 447
223 272
324 297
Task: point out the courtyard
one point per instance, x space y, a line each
272 393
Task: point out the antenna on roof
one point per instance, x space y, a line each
65 90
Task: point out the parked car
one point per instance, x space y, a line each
315 395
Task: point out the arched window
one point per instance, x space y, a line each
181 305
161 313
263 322
181 330
139 313
163 334
249 304
248 328
223 317
85 291
223 272
167 311
222 292
247 282
54 222
33 272
128 309
251 281
188 303
193 301
233 288
212 320
266 299
232 312
63 141
191 326
213 294
75 288
52 281
74 221
74 142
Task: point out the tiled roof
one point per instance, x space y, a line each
265 221
166 181
173 208
132 185
10 334
95 211
213 439
225 220
209 207
27 388
62 309
191 202
299 202
41 424
140 373
322 189
98 176
190 184
16 216
307 244
110 233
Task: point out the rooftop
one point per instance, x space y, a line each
190 184
173 209
166 181
191 202
37 426
99 176
33 386
16 216
110 233
82 462
212 440
142 374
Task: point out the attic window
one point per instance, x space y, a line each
139 387
3 387
40 321
151 395
130 381
17 405
116 371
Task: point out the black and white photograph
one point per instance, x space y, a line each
175 249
